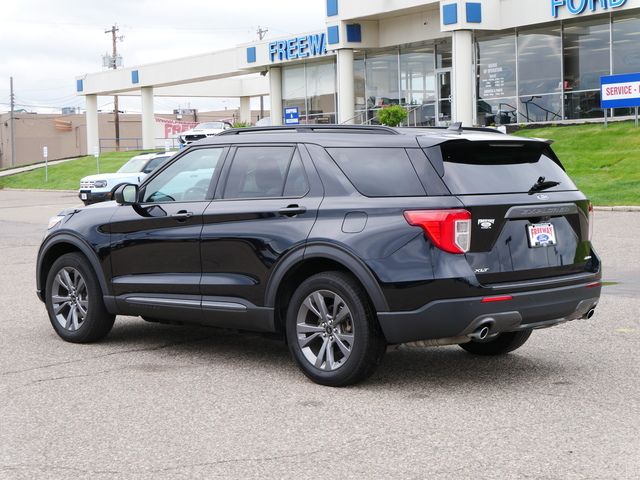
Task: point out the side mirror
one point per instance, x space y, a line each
126 194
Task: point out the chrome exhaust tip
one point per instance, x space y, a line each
480 333
589 314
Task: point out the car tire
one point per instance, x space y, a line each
504 343
74 301
332 330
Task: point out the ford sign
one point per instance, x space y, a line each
577 7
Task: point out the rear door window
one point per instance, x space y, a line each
500 167
266 172
379 172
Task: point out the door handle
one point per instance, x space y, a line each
291 211
182 215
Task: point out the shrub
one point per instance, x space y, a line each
392 116
241 125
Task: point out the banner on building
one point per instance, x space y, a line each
168 128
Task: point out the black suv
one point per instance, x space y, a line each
341 238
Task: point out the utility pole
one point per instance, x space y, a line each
114 64
12 101
262 32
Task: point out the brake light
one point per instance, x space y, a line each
449 230
590 221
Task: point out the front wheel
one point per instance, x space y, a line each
332 330
504 343
74 301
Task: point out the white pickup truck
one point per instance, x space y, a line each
100 187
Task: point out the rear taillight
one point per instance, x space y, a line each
449 230
590 221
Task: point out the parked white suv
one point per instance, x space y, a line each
98 188
203 130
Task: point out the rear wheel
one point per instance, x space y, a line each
333 331
504 343
74 301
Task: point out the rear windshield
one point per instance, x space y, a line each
500 167
379 172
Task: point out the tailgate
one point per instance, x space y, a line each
515 239
529 220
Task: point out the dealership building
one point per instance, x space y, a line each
479 62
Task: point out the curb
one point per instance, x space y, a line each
628 208
38 190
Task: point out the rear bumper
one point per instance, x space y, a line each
461 316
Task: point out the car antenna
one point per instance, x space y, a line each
456 127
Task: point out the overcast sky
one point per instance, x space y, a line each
45 44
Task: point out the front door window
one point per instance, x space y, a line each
188 179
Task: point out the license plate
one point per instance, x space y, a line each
541 235
83 196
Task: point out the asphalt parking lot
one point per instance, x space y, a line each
156 401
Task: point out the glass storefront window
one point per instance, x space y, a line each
539 61
293 88
540 108
586 55
626 54
321 91
383 80
500 111
496 74
444 54
359 89
417 83
311 88
582 105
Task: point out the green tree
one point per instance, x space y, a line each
392 116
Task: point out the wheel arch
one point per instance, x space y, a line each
58 245
313 259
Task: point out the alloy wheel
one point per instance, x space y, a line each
69 298
325 330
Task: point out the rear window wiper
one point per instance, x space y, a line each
542 184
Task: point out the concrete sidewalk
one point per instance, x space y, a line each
28 168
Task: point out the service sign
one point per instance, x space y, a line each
291 116
620 91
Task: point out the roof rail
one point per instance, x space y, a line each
313 128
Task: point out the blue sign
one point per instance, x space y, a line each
620 91
291 116
299 47
577 7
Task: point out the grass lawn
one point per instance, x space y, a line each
67 175
603 162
